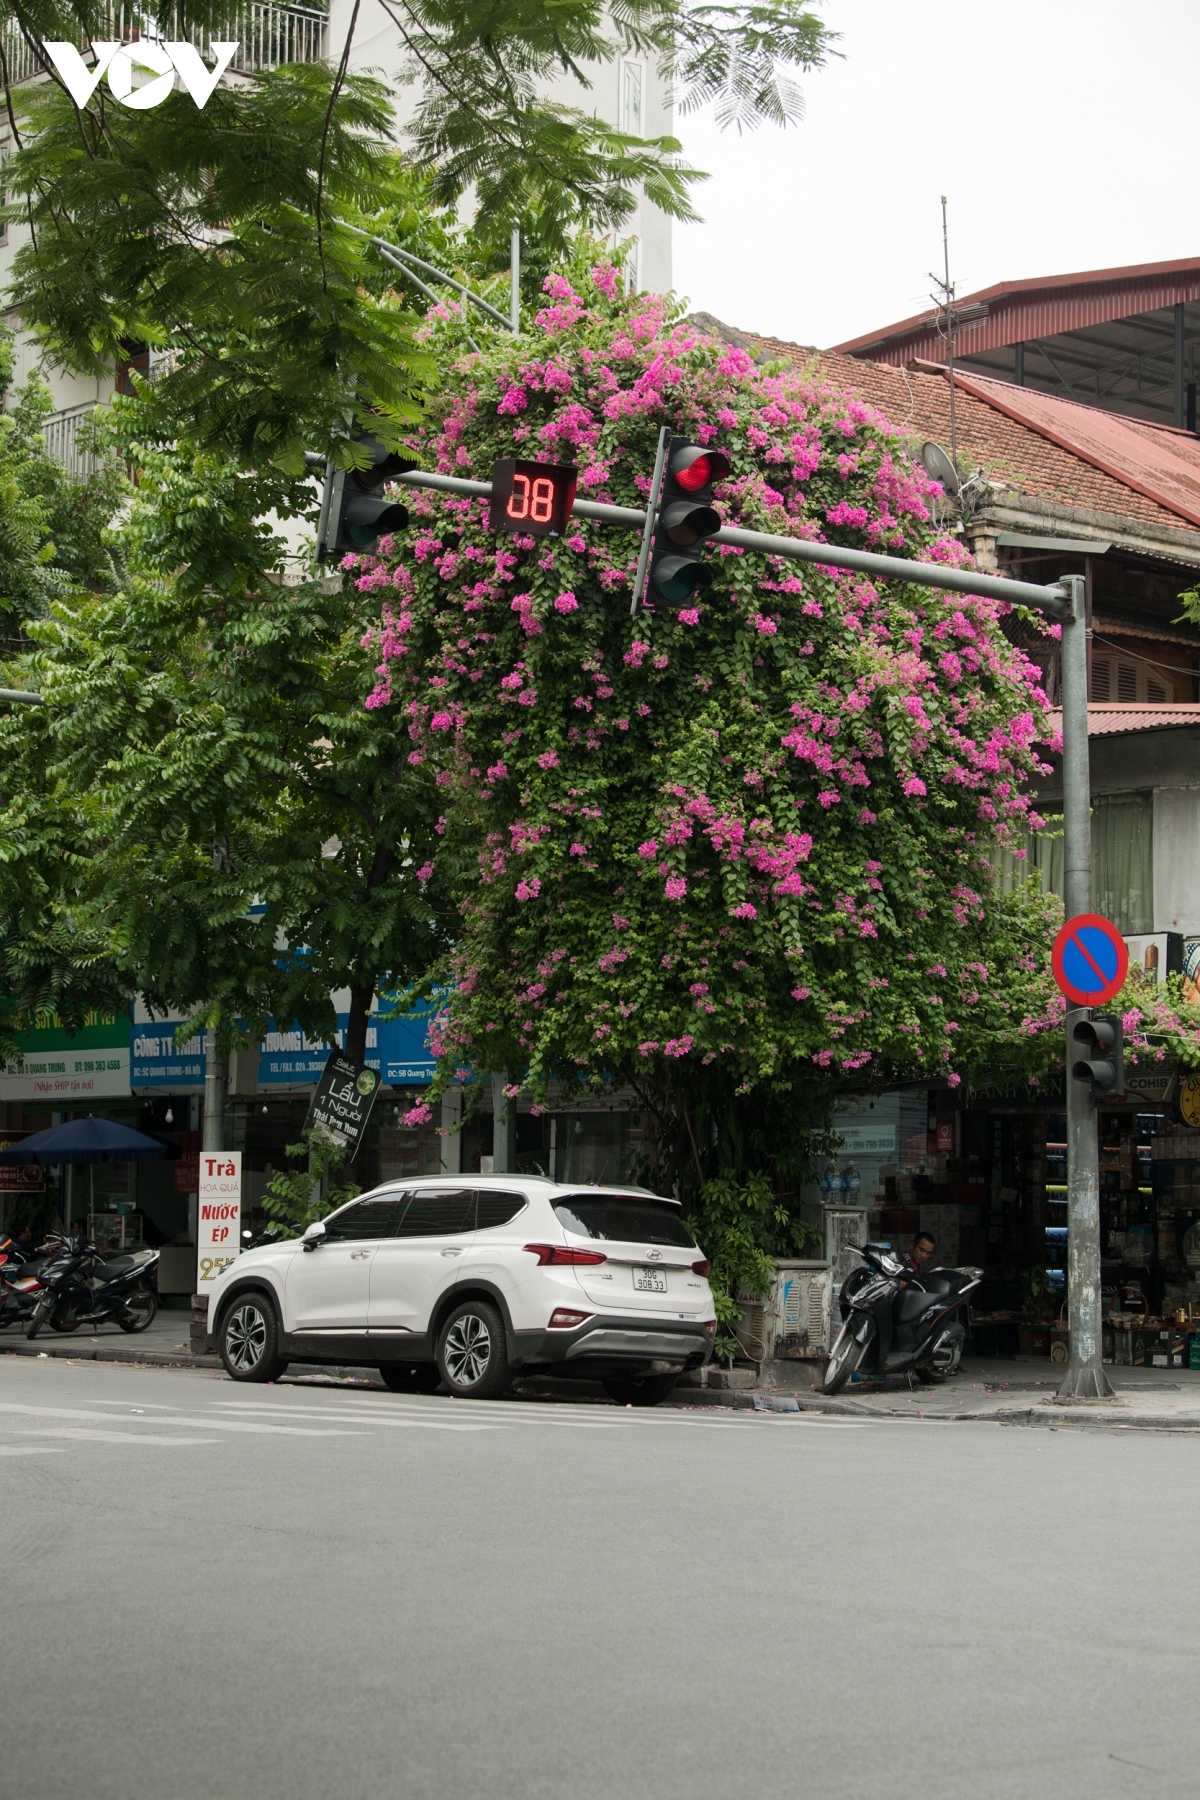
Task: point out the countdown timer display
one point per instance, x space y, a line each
532 497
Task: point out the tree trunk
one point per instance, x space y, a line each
356 1026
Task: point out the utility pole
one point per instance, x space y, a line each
504 1127
213 1137
945 288
514 282
1085 1378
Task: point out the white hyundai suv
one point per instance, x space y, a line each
464 1280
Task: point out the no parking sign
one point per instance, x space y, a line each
1090 959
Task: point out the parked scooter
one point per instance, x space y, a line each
80 1287
911 1317
20 1283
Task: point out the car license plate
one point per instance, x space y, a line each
650 1281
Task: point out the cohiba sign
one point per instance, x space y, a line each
164 61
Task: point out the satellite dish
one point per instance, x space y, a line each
938 465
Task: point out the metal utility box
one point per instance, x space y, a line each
792 1321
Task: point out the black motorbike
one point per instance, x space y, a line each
81 1287
897 1322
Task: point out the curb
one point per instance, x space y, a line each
1042 1417
118 1353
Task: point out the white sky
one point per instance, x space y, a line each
1062 131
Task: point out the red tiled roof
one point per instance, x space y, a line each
1117 720
1025 456
1164 466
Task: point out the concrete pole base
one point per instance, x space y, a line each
1086 1384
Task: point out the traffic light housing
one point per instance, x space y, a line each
1102 1065
686 517
355 512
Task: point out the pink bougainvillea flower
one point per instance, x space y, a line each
711 731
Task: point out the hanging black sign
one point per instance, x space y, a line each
342 1103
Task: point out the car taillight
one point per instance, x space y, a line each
704 1267
555 1255
563 1319
710 1327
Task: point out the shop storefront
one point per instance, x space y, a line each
989 1178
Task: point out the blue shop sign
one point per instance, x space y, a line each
396 1047
155 1062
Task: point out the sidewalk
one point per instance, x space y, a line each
1015 1391
164 1342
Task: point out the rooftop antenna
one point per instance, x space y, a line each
947 322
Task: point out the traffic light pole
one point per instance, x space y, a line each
1085 1378
1050 600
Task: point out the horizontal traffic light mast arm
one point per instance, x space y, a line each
1053 601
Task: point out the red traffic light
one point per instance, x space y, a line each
693 469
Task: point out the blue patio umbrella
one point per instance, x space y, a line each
88 1141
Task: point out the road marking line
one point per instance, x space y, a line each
191 1421
79 1435
30 1450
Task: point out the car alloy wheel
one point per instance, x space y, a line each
467 1349
472 1354
246 1333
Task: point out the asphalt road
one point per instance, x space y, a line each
222 1592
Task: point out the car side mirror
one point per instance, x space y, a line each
314 1234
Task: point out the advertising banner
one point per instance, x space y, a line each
22 1178
342 1103
219 1228
93 1064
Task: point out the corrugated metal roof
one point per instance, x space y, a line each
1162 465
1117 721
1019 311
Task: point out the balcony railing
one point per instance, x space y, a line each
60 434
266 35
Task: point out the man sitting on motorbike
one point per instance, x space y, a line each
923 1247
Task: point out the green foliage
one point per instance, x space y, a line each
742 1226
226 244
204 783
294 1198
483 121
221 248
51 525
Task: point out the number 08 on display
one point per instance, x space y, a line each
531 497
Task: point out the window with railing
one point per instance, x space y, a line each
266 36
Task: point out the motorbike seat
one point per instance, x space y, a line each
913 1302
121 1265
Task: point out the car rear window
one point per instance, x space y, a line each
628 1221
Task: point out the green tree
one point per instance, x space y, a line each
249 837
733 853
52 525
227 240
